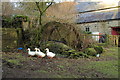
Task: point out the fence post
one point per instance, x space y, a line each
119 41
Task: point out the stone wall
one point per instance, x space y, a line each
102 27
11 38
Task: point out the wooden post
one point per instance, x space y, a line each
119 41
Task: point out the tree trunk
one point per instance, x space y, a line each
40 20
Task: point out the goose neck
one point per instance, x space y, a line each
28 50
47 50
39 50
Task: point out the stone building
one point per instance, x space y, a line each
97 17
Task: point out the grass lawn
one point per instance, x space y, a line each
19 65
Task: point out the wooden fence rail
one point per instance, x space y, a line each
113 39
110 39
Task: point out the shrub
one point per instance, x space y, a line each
78 54
99 49
6 21
90 51
20 18
87 32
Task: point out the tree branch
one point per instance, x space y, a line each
48 6
37 4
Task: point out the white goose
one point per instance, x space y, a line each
31 53
49 54
39 53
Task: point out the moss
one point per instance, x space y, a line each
60 48
90 51
78 55
99 49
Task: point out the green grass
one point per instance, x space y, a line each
42 71
107 68
60 66
111 52
21 58
104 68
16 59
16 62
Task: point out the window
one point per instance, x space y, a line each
87 29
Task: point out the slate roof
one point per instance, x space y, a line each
107 14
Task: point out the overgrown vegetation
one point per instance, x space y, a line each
71 46
14 21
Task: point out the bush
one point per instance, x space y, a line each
90 51
20 18
78 55
6 22
99 49
14 21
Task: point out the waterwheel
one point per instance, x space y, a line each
62 32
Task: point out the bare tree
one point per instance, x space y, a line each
42 7
62 12
36 10
7 8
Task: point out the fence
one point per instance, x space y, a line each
110 39
113 39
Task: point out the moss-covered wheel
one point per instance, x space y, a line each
62 32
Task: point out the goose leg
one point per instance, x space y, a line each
49 57
39 57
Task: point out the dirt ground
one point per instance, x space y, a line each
19 65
